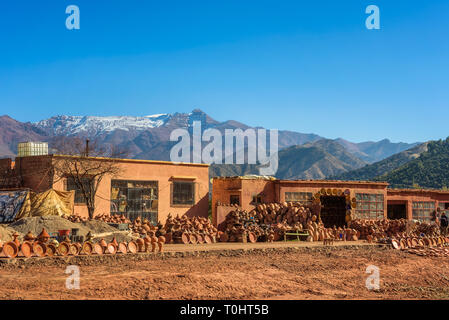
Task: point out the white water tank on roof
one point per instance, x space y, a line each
29 149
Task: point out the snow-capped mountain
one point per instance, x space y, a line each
73 125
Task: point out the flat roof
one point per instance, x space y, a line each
128 160
249 177
439 191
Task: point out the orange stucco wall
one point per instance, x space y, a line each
140 170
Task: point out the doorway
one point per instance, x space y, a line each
333 211
396 211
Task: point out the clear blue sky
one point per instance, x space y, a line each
308 66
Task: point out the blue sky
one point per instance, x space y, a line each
307 66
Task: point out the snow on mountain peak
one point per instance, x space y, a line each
94 125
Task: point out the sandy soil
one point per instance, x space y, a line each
335 274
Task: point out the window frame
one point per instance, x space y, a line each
172 194
370 206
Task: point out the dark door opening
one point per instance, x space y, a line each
333 211
396 211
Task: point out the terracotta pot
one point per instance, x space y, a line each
87 248
15 240
161 239
207 239
111 248
26 249
10 249
132 247
63 249
103 243
153 246
161 246
200 238
98 248
193 239
168 237
395 244
51 250
74 249
252 237
43 236
185 238
114 241
223 238
29 236
140 245
39 249
122 248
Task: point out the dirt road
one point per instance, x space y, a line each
330 274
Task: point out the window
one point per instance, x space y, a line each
257 199
234 199
444 207
183 193
369 206
422 210
71 185
302 197
135 199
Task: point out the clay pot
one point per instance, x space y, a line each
200 238
114 241
98 248
193 239
29 236
132 247
15 240
43 236
161 246
39 249
140 244
63 249
208 238
103 243
185 238
153 246
168 237
51 250
111 248
26 249
74 249
10 249
252 237
122 248
87 248
395 244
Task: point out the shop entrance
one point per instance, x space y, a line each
333 211
396 211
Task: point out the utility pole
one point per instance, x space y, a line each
87 147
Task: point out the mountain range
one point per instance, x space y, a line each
301 155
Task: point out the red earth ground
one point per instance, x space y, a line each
318 273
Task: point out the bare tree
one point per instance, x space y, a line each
85 164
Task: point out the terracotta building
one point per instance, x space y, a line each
150 189
358 199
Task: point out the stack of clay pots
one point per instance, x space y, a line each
145 227
101 217
377 230
43 246
269 222
189 230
